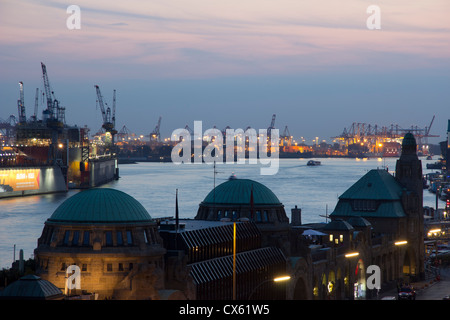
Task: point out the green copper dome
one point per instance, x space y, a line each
100 205
238 191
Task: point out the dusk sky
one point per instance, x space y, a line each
313 63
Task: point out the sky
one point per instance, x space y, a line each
313 63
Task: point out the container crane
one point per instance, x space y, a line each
286 137
272 125
155 135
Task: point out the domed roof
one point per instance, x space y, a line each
32 287
100 205
238 191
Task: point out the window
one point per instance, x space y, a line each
129 238
108 237
66 238
119 238
258 216
86 236
364 205
145 236
120 266
109 267
76 236
84 267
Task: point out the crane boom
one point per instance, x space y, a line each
48 92
114 109
272 124
429 127
106 114
155 135
100 102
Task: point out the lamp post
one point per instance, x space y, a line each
277 279
234 260
351 255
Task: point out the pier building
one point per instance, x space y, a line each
113 241
241 239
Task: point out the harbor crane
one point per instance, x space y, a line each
113 119
272 125
21 104
125 134
286 138
155 135
373 135
108 119
54 111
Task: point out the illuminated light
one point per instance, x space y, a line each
352 254
399 243
434 231
60 145
330 286
283 278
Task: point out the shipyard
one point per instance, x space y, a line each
45 154
224 159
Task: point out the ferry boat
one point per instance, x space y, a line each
313 163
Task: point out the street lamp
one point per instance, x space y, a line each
352 254
400 243
277 279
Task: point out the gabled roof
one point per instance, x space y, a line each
375 185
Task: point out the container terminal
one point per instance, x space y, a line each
360 140
47 155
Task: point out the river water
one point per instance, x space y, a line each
313 189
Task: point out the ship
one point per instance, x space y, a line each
47 155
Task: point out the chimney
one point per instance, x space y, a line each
296 216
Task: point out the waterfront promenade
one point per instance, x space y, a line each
430 289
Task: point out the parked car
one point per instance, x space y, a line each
406 293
